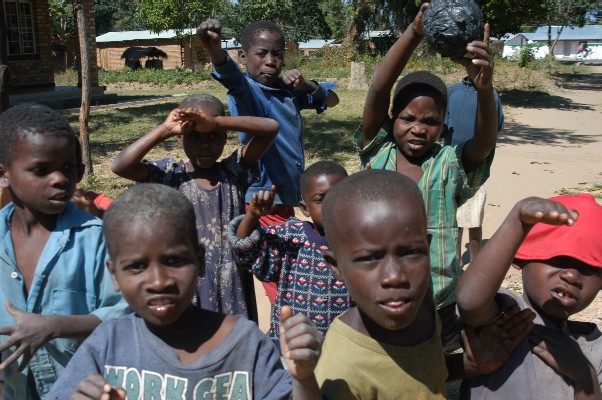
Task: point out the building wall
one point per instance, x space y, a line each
109 54
35 69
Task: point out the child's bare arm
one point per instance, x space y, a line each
300 343
128 163
480 70
478 286
564 355
31 331
209 33
262 203
95 387
376 108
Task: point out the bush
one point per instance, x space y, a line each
526 56
159 77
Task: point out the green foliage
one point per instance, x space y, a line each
169 77
337 14
300 19
180 15
526 56
62 24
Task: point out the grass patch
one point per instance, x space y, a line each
595 189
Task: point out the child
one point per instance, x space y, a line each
557 245
460 122
169 348
263 93
216 189
292 253
406 142
389 343
56 289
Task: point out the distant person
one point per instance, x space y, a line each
292 253
168 348
262 92
55 288
215 188
556 244
460 120
406 141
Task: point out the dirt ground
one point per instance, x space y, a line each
553 144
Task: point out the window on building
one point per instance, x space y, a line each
20 35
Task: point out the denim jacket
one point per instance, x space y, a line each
70 279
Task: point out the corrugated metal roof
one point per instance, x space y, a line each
125 36
587 32
136 35
315 43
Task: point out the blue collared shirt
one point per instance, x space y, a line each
70 279
283 163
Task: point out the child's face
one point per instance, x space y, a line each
43 172
203 149
561 286
381 252
265 58
417 126
316 189
155 266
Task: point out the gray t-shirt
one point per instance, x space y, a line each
525 375
245 365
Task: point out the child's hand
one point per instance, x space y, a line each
262 202
174 124
480 68
95 387
209 32
488 347
294 79
533 210
417 23
81 200
300 343
202 122
563 354
27 335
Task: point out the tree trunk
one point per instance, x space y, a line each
84 110
556 40
4 71
190 37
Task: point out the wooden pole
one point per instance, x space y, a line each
4 71
84 111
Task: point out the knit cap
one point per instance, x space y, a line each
581 241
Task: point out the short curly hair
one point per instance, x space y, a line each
321 168
252 30
27 119
419 83
203 102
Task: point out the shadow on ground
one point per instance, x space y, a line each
536 99
515 133
592 82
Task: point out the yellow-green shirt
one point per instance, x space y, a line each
355 366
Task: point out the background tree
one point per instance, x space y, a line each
183 16
337 14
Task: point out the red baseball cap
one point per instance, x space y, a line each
581 241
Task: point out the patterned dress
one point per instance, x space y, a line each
292 254
224 288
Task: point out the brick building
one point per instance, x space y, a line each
28 43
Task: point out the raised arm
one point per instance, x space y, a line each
478 286
376 108
263 130
295 80
262 203
480 70
128 163
209 33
